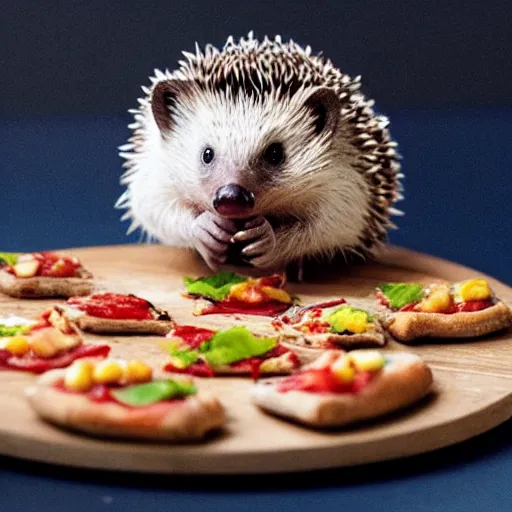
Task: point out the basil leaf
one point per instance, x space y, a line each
153 392
185 356
402 294
235 344
9 258
216 287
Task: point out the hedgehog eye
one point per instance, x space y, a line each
274 154
208 155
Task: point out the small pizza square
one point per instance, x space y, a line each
123 399
235 351
43 275
116 313
464 309
227 292
329 325
341 388
37 347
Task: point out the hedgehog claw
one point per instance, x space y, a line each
212 236
260 251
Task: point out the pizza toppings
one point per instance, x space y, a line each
227 292
153 392
336 317
465 296
41 346
83 375
349 319
42 264
128 383
335 372
234 349
117 306
398 295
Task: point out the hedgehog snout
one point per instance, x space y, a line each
233 201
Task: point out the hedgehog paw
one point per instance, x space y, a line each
261 239
212 236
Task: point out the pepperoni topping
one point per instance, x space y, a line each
191 335
39 365
114 306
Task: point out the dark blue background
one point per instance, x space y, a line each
442 71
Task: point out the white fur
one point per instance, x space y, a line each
168 186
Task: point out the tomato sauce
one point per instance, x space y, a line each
191 335
101 394
39 365
114 306
323 381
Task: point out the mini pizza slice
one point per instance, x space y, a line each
122 399
329 325
227 292
115 313
37 347
342 388
464 309
235 351
43 275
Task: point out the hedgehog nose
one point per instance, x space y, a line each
233 200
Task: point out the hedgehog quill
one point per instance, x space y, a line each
262 147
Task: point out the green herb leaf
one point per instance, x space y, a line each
402 294
185 356
153 392
9 258
216 287
345 318
235 344
14 330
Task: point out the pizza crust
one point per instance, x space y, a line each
373 338
189 420
41 287
98 325
402 382
407 326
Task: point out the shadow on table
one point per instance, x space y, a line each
479 449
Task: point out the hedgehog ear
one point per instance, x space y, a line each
325 107
164 98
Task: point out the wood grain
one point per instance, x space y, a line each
473 391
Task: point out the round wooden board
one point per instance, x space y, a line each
473 391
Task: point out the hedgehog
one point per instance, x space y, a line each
261 154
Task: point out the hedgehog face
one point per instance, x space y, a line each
267 146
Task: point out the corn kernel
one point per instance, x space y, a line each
276 294
343 369
79 376
107 372
367 360
136 371
17 345
475 289
438 300
245 292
